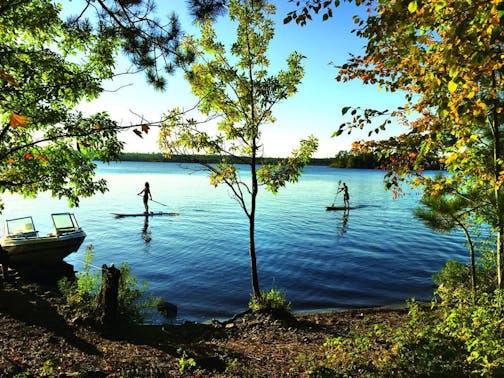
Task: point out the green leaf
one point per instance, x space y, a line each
337 133
412 6
345 110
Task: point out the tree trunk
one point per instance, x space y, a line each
473 262
500 236
497 155
256 292
108 297
253 264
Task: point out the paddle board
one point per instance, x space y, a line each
338 208
121 215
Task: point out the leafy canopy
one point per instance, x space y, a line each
238 93
49 65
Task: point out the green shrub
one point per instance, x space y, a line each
133 303
270 301
455 337
81 293
453 275
456 276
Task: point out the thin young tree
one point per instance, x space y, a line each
445 213
236 97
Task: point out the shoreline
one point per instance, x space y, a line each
40 335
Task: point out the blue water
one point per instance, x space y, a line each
380 255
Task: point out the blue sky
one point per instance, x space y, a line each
315 109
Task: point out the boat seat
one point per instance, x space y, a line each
28 234
66 230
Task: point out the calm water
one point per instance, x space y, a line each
379 255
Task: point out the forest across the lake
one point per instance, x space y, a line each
343 159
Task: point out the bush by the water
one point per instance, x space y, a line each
133 302
453 337
270 301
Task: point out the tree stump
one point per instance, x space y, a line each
108 297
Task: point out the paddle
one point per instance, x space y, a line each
155 201
159 203
337 191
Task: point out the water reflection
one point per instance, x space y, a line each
146 234
342 227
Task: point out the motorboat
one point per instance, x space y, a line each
24 245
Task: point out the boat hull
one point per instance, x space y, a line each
44 250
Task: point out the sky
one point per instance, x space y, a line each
314 109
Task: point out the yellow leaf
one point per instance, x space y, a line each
452 86
17 120
451 157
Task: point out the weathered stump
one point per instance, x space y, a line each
108 297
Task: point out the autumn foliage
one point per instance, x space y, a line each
446 58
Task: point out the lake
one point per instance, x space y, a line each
378 255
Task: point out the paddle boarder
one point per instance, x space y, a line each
346 197
146 195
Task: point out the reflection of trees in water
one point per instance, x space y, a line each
146 235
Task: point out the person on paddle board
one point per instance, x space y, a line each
346 196
146 195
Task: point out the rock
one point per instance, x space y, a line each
167 309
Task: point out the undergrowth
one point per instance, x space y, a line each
453 337
270 301
133 301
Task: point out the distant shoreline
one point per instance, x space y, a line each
158 157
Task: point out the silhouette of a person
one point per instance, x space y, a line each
346 196
146 195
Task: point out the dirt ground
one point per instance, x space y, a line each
40 338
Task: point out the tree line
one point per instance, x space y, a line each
337 161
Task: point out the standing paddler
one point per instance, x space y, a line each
346 196
146 195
